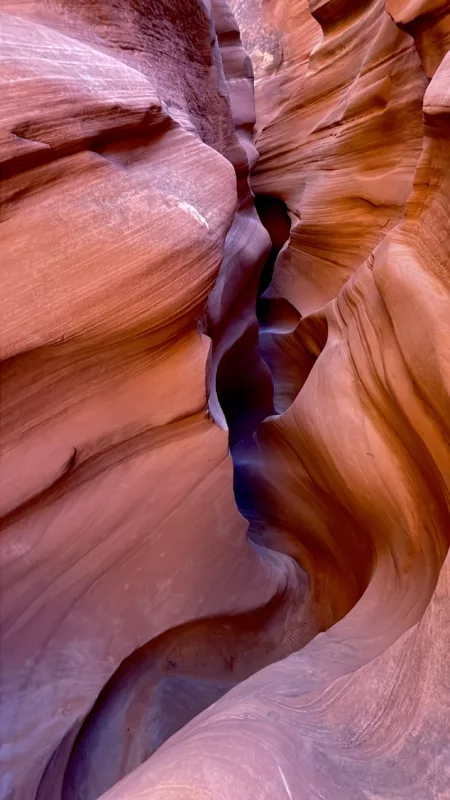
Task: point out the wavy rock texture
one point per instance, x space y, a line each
132 599
119 518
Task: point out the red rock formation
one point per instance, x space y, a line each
119 518
131 598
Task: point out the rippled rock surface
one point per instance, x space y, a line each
225 226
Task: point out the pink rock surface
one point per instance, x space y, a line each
154 644
120 521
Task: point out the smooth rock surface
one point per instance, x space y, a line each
119 518
150 319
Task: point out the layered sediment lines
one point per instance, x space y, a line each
352 479
132 598
120 163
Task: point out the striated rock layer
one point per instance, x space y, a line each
134 269
122 151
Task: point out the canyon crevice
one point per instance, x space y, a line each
224 409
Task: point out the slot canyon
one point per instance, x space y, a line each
225 399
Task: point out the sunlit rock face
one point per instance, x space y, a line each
280 629
129 239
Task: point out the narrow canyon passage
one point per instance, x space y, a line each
224 404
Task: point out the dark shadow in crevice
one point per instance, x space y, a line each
158 689
275 314
243 381
274 216
244 386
